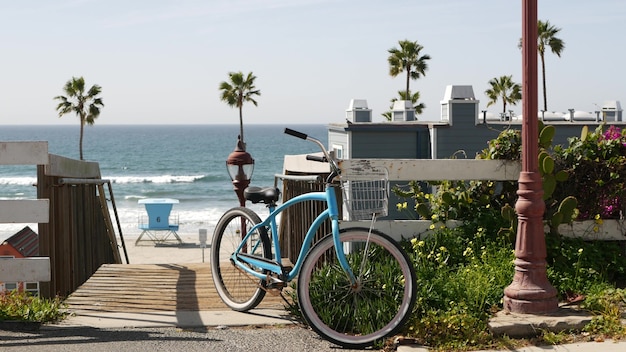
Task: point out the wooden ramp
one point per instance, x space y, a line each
152 287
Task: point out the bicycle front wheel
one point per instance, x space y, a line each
238 289
359 315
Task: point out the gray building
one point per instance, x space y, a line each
462 132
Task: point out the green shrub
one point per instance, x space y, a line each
575 266
596 162
461 274
609 305
21 306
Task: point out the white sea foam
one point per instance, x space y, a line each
154 179
18 181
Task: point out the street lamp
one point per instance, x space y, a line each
240 166
530 292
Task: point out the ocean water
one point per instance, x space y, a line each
184 162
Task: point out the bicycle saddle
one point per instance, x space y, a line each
267 195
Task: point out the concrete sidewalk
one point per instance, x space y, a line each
180 319
274 317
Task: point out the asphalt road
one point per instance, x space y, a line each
89 339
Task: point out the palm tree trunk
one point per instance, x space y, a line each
80 142
543 76
408 79
241 127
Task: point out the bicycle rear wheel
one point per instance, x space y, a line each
376 307
238 289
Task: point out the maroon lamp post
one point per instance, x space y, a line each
530 292
240 166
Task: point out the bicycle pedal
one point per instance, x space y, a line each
275 282
274 291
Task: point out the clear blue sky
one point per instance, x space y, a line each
161 61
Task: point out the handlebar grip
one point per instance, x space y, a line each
295 133
321 159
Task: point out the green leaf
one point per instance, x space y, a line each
561 176
583 133
542 155
507 212
447 198
556 220
548 165
546 135
567 207
422 210
549 185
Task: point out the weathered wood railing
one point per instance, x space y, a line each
33 269
301 176
79 237
75 229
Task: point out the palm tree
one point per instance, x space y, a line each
505 89
238 90
419 108
546 37
86 107
407 59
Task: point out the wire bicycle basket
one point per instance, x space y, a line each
365 191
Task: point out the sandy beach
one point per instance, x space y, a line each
170 252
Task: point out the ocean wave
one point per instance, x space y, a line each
18 181
156 179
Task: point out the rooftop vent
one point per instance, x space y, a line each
459 93
403 110
358 112
612 110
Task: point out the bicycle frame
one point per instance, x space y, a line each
373 299
331 212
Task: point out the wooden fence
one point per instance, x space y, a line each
470 169
24 211
300 176
295 222
79 237
75 228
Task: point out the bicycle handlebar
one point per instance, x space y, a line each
321 159
326 158
294 133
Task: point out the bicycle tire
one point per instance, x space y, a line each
238 290
357 317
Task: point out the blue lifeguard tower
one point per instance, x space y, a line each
160 226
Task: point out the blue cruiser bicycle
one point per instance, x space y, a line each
355 286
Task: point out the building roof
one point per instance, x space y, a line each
26 241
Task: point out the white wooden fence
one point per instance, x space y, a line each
24 211
467 169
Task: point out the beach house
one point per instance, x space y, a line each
462 131
23 244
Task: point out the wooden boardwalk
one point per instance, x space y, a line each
152 287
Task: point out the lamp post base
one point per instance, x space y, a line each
545 306
530 292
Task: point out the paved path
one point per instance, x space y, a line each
181 312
